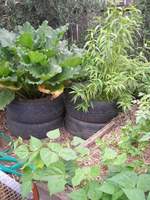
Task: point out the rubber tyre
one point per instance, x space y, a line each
35 111
35 117
102 112
80 128
36 130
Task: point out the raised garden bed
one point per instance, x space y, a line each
110 132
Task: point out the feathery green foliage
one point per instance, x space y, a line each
112 73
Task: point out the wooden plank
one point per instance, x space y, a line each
99 134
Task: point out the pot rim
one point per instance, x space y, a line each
37 100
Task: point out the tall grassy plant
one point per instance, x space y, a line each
111 71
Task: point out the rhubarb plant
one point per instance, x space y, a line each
36 62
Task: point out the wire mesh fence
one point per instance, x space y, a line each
10 188
7 193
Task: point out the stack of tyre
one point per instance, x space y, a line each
37 117
84 124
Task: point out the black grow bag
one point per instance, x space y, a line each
85 124
35 117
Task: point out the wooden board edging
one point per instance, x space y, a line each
106 129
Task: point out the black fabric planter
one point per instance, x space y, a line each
35 117
85 124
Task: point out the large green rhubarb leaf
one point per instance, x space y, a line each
7 38
4 69
6 96
26 40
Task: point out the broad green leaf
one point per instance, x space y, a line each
35 144
84 173
108 197
107 188
71 61
50 52
144 182
109 154
4 69
148 198
56 184
32 159
70 167
77 141
48 157
38 72
26 40
45 174
26 188
118 194
22 152
120 160
26 27
80 175
6 96
125 179
133 194
54 134
7 38
37 57
55 147
52 70
95 171
41 175
68 154
55 68
68 73
145 137
38 163
27 173
94 192
78 195
82 150
57 168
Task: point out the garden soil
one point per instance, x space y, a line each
113 136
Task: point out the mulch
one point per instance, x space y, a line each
113 135
3 126
95 154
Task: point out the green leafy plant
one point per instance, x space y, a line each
34 62
57 165
125 179
135 137
112 73
53 163
121 182
122 186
